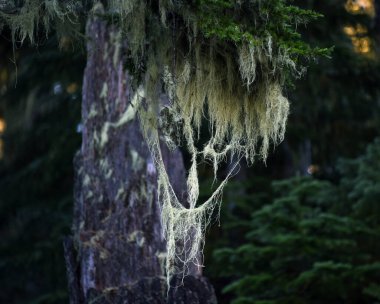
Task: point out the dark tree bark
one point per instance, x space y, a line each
117 252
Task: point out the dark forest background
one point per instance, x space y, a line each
304 228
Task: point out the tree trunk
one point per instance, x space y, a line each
117 252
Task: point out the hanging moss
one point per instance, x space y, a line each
26 21
229 59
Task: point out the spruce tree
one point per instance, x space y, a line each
316 242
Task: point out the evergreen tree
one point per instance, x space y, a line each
316 242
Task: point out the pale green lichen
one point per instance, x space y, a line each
86 180
42 13
104 165
93 112
243 121
161 256
128 115
24 24
120 193
104 91
137 237
137 161
89 194
109 174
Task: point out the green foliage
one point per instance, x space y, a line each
253 21
236 21
316 242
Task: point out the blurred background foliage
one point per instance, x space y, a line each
306 240
40 109
302 229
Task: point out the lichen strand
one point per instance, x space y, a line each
243 119
184 226
223 60
33 14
